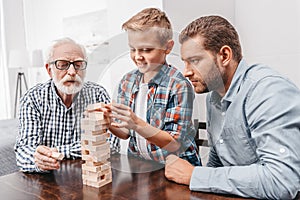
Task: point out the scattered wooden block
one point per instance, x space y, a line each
57 156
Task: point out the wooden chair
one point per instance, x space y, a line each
200 141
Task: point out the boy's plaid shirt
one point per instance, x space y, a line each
170 105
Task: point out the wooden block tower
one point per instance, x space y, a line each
96 171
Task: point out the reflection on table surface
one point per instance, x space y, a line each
132 179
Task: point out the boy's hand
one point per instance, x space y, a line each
127 116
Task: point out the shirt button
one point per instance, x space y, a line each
282 150
223 113
221 141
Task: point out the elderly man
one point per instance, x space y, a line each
50 113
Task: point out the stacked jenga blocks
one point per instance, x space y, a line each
96 171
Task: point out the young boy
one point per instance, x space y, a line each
155 101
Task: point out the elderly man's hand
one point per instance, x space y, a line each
178 170
43 159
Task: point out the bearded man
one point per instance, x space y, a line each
50 113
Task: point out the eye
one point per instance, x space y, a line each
132 50
146 49
194 61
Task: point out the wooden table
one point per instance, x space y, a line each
132 179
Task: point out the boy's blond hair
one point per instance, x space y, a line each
151 19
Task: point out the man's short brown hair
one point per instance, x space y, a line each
216 32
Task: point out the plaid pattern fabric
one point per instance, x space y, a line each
170 105
45 120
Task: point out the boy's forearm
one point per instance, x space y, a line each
122 133
156 136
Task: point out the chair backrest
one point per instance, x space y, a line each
200 139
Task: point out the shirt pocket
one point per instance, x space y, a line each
236 147
157 113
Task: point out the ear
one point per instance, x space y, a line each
48 68
225 55
170 45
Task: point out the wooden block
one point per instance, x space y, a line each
101 167
93 122
91 168
99 132
57 156
95 107
92 163
99 127
96 157
105 166
84 151
97 176
95 138
92 143
101 148
99 173
97 184
98 115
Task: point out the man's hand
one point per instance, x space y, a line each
43 159
178 170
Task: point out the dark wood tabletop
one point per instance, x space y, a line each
132 179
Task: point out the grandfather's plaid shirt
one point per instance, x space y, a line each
170 105
45 120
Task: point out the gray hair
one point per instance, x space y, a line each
60 42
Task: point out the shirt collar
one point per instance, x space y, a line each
236 81
157 79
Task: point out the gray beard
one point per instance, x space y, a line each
73 89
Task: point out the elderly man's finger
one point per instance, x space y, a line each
44 150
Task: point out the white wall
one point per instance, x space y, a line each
269 32
44 19
181 13
44 23
13 18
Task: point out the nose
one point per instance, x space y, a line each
138 55
72 71
188 70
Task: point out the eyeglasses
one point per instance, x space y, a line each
65 64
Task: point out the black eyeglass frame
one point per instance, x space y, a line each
69 64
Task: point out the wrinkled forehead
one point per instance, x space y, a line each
68 51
